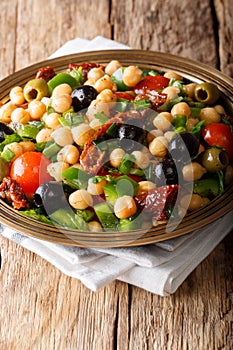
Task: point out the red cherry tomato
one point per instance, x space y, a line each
218 134
30 170
124 95
156 83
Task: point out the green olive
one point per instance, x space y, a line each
206 92
36 89
4 169
214 159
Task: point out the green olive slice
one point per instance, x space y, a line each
36 89
206 92
214 159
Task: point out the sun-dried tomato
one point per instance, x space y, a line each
156 200
13 193
46 73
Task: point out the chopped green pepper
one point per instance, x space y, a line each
117 78
126 163
62 78
207 187
8 155
106 217
75 178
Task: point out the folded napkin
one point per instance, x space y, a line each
159 268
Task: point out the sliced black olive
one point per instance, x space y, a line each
131 135
82 97
183 146
5 130
166 173
51 196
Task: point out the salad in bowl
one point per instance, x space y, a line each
113 147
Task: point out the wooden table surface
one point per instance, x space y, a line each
41 308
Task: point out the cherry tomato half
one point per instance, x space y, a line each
156 83
220 135
30 170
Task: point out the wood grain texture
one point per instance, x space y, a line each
43 309
179 27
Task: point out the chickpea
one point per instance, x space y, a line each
95 73
124 207
62 103
189 89
181 108
52 120
44 135
105 83
81 199
46 101
163 121
145 186
158 147
228 177
62 136
97 107
220 109
96 188
116 157
6 111
68 154
193 171
20 115
17 96
182 211
36 109
94 226
153 134
132 75
196 202
95 124
27 146
142 160
82 133
171 92
185 201
89 82
106 96
112 66
15 147
56 169
62 89
171 74
191 122
169 135
210 115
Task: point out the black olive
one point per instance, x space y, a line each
166 173
131 135
5 130
82 97
51 196
183 146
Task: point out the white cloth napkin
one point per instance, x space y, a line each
159 268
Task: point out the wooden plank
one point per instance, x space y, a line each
8 13
224 18
38 28
168 26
